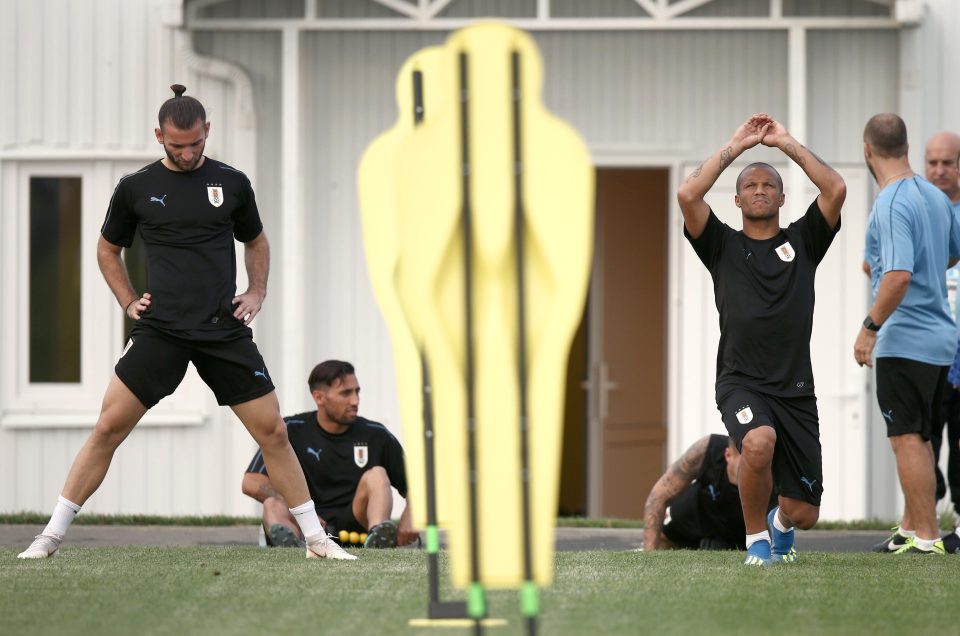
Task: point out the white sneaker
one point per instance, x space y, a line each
43 546
326 548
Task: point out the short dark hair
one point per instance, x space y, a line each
325 374
760 164
887 135
181 111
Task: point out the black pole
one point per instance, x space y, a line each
435 607
529 595
476 603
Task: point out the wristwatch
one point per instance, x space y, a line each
869 324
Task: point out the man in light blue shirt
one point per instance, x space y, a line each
911 237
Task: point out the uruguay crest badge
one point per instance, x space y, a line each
215 195
360 455
786 253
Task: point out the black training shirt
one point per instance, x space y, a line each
764 292
334 464
187 222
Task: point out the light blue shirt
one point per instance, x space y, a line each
914 228
953 279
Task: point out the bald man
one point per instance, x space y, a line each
911 237
942 163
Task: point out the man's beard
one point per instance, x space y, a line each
180 165
346 420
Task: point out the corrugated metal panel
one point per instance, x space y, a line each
354 9
101 75
806 8
255 9
851 77
482 8
668 89
596 9
730 9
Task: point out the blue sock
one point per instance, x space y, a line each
781 541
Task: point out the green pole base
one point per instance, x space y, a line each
433 540
476 601
529 599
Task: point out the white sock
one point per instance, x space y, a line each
926 544
62 517
309 522
779 524
760 536
909 534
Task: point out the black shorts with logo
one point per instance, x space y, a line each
797 461
153 364
909 394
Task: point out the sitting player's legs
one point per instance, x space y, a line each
279 526
373 502
372 506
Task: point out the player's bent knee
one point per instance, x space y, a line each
376 476
802 514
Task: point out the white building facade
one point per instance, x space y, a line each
296 89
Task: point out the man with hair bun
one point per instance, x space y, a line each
187 209
763 279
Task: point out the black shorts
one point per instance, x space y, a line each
153 364
909 394
797 461
341 519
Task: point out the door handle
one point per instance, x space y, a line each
598 386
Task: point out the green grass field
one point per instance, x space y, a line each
239 591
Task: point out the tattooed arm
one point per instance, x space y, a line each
258 486
832 188
673 482
694 189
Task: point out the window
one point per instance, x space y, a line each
55 213
61 329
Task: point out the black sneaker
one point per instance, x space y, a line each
382 535
951 543
280 536
892 543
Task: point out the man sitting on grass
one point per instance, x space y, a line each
350 464
696 503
